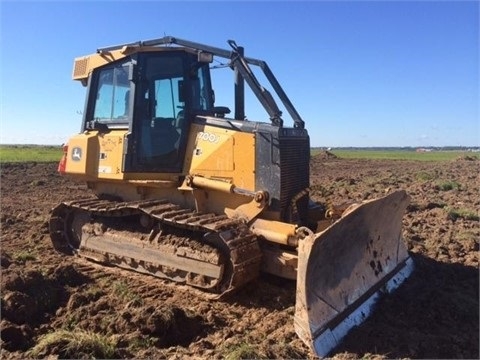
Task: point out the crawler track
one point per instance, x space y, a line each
207 251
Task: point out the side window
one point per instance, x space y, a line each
111 102
167 102
201 93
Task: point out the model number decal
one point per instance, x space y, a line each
210 137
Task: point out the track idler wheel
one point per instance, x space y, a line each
65 228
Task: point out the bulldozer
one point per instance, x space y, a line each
186 192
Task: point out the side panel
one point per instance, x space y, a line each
223 154
95 155
82 156
111 155
265 158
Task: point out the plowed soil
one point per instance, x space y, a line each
434 314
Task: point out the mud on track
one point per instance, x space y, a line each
433 315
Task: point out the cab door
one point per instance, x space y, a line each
158 137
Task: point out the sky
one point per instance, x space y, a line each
360 73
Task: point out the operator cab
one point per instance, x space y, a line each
155 95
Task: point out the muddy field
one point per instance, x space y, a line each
50 304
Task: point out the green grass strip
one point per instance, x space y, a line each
394 154
27 153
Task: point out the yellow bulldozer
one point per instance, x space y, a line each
185 192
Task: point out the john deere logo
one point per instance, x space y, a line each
77 154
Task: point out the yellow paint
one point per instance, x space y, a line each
84 65
110 155
82 156
94 155
223 154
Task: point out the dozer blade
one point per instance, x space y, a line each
343 270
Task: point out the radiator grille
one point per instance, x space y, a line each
294 177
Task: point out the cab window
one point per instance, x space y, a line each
111 100
167 102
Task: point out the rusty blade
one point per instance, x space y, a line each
343 270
